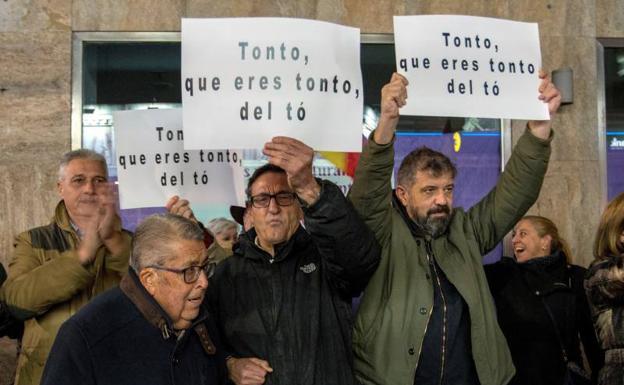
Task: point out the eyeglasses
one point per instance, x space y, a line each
191 273
261 201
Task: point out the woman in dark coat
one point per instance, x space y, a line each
605 290
541 305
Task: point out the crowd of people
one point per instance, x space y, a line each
177 302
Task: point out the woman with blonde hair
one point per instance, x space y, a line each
541 306
605 290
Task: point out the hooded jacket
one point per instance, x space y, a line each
294 309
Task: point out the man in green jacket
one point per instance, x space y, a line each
58 268
427 316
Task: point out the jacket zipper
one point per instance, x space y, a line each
430 259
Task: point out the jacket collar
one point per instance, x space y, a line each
547 274
247 248
132 287
61 217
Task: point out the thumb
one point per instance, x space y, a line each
263 364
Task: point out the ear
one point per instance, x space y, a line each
59 187
402 194
546 242
149 280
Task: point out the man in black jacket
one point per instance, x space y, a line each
9 325
283 300
152 329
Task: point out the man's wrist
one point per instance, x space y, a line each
308 196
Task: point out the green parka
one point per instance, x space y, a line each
397 303
47 285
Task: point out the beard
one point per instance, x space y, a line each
434 226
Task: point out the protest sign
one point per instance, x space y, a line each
152 164
246 80
469 66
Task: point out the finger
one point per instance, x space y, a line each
252 370
283 148
253 379
171 201
287 140
544 84
279 162
398 78
290 145
263 364
180 206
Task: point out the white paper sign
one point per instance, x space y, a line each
152 164
469 66
246 80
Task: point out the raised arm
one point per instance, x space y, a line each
521 182
347 246
371 193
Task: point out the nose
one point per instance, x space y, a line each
202 281
514 239
440 199
273 206
89 187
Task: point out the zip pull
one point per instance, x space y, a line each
271 260
165 331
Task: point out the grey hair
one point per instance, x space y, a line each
427 160
219 225
82 153
156 234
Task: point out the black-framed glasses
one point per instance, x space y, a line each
261 201
191 273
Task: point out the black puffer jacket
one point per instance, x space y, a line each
518 290
295 312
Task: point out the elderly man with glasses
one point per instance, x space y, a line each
283 300
152 329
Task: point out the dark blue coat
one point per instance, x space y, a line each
124 337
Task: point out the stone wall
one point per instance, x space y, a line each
35 86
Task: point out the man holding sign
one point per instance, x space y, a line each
283 300
427 316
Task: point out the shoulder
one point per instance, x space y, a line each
47 237
577 272
504 266
105 314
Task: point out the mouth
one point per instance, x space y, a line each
519 249
197 300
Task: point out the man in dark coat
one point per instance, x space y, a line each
153 329
283 300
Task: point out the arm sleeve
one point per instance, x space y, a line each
371 192
591 346
515 192
34 285
69 361
348 248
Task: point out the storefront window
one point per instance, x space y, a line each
614 89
